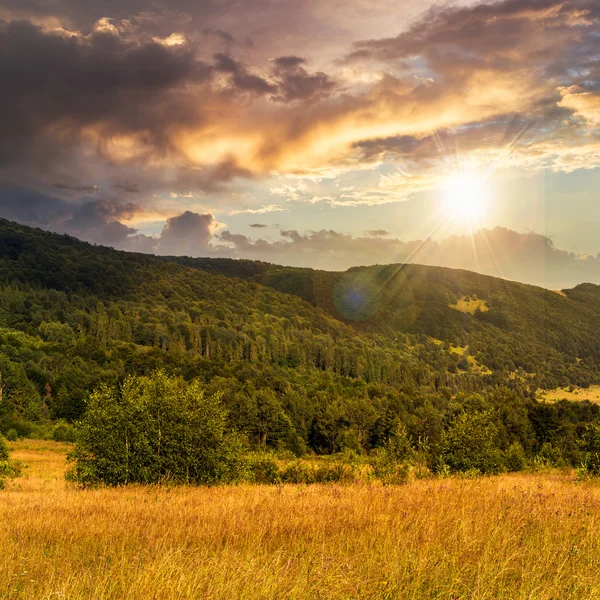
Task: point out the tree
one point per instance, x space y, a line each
5 469
590 445
470 443
3 450
153 429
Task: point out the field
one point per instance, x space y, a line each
512 536
467 305
575 394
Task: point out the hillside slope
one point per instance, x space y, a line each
507 326
302 359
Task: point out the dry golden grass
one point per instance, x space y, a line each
576 394
513 536
469 306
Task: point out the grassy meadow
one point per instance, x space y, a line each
532 536
574 394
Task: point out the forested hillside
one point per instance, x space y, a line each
552 338
304 360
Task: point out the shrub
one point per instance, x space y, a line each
470 444
154 429
307 472
262 469
3 450
63 432
549 456
391 464
589 443
515 458
7 468
12 435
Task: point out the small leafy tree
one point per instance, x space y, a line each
391 463
6 468
589 443
3 450
515 457
470 444
154 429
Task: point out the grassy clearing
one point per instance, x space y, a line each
512 536
575 394
469 305
473 364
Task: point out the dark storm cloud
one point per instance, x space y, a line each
258 225
60 85
240 77
497 34
97 220
504 132
295 83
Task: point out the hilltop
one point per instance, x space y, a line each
303 359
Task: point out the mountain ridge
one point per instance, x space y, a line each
376 344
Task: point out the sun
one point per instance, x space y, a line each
466 197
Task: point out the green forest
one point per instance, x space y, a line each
302 361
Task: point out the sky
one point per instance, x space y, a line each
320 133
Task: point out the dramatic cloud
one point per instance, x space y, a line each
230 109
129 102
529 257
187 234
295 83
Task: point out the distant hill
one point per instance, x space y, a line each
512 327
303 358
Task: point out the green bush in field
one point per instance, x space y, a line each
515 458
589 443
7 468
262 469
391 464
470 445
3 450
154 429
265 469
12 435
307 472
63 432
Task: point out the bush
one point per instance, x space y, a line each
27 429
3 450
391 464
154 429
589 443
12 435
549 456
7 468
63 432
515 458
307 472
262 469
470 444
